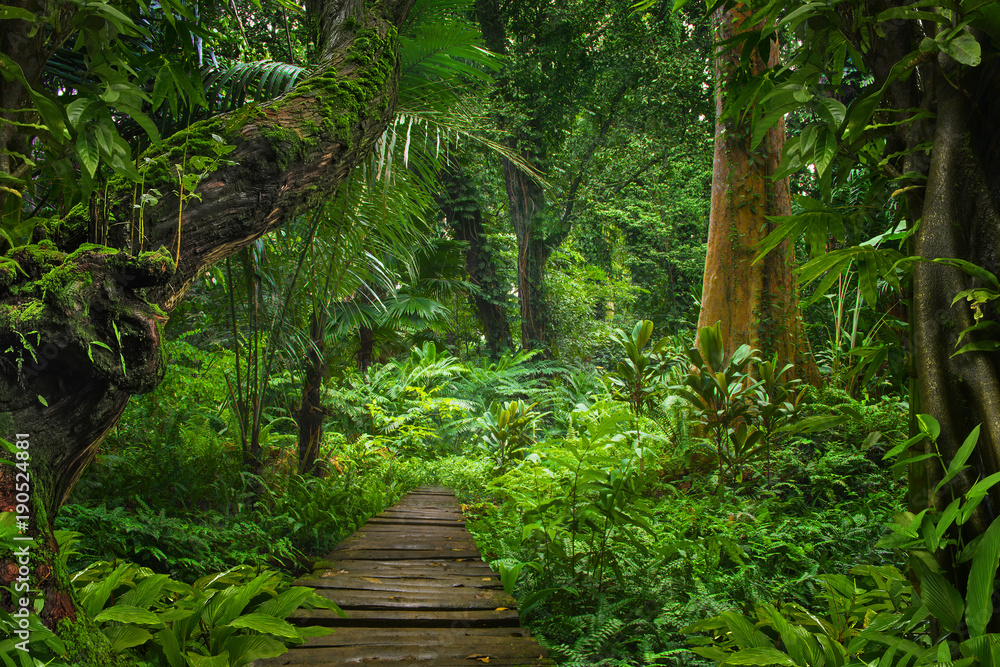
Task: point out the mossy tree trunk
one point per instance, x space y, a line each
80 325
757 303
465 219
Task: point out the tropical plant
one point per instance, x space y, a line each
722 392
887 620
635 380
509 432
581 499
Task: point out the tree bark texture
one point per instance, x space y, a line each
535 244
465 219
757 303
311 412
80 325
961 219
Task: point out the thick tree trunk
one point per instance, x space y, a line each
465 219
961 219
757 303
80 328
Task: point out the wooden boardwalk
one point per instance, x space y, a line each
415 592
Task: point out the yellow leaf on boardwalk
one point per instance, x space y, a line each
501 609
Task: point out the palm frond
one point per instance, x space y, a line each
231 87
441 62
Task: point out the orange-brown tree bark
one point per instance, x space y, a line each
756 302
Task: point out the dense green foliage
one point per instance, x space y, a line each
648 499
609 530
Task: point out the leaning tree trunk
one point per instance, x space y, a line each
80 326
757 303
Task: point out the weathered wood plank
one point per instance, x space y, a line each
368 636
409 661
438 567
411 584
470 649
416 592
402 542
479 618
441 599
405 554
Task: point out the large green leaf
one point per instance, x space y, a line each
942 599
763 655
95 595
128 614
126 636
265 623
744 633
982 579
964 48
221 660
961 456
247 648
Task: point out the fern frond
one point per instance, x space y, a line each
231 87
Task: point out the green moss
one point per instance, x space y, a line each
290 145
38 255
159 165
66 232
22 315
9 271
159 259
343 100
62 284
87 646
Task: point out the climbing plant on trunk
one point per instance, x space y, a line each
910 96
756 302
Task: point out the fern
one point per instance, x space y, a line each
232 87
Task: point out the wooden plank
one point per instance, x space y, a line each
412 662
414 584
368 636
409 528
441 599
439 567
402 554
478 618
471 649
416 592
405 542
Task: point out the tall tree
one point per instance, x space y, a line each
755 301
564 91
464 213
910 96
80 324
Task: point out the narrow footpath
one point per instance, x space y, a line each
416 592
